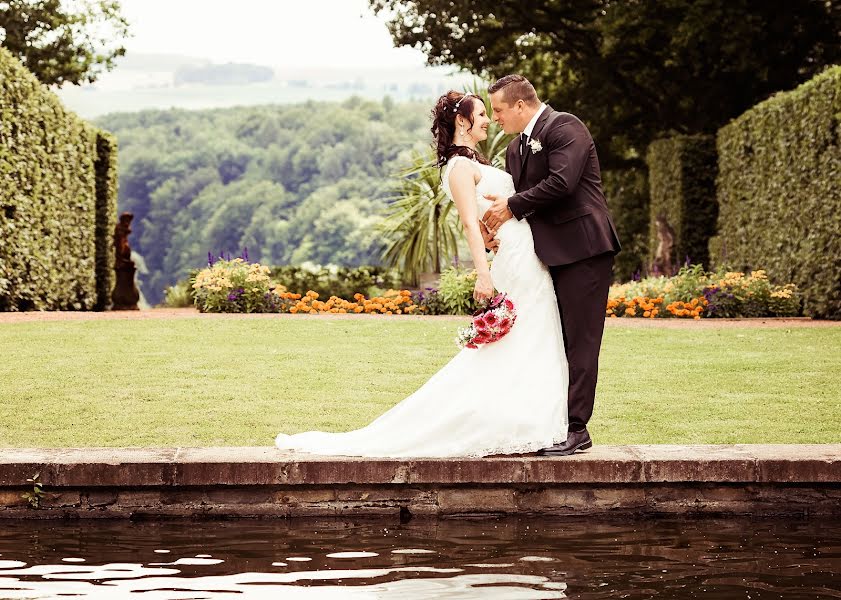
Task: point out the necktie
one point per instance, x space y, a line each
523 143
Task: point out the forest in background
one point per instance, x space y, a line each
306 182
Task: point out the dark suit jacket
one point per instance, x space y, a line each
559 191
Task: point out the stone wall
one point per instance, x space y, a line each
264 482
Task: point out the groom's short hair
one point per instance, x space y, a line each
515 87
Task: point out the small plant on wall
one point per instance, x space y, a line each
37 494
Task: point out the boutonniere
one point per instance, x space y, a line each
535 146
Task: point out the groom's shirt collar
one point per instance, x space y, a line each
530 127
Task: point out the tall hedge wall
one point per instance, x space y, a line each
682 172
48 198
779 189
106 216
627 196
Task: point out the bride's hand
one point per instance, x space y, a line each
491 243
484 288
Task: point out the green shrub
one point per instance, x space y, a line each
330 280
455 290
779 192
430 302
733 294
682 171
52 253
235 286
179 295
627 196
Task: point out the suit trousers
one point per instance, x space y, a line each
581 289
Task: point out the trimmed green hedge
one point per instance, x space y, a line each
48 198
779 189
106 216
627 196
682 172
328 280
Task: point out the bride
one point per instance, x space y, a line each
507 397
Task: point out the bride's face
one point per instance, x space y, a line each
481 121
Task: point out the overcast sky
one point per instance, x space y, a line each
287 33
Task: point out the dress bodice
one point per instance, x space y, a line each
499 183
493 181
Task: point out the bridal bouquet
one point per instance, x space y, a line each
490 323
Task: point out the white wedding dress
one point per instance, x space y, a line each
507 397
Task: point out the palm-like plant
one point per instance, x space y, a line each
421 223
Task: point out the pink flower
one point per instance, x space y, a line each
479 323
508 304
482 338
490 318
471 345
505 324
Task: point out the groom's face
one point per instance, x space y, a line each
508 116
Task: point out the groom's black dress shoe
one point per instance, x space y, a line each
576 440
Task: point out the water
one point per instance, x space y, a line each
508 559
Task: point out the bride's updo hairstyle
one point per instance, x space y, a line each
444 126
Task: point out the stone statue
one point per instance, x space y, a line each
125 294
663 264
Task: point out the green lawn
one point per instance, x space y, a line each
203 382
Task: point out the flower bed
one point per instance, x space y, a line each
695 293
241 287
238 286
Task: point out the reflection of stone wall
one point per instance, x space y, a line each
264 481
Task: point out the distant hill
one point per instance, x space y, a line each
163 81
227 74
293 183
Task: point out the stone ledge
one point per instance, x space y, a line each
264 481
138 467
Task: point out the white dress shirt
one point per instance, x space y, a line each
530 127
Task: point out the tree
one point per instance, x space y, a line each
632 70
63 42
289 186
420 224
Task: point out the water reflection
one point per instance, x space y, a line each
511 559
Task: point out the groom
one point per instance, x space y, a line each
557 179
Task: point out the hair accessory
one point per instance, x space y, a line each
455 109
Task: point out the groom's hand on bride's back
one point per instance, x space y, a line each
491 243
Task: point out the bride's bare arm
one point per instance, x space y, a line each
462 182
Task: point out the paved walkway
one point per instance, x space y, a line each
184 313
